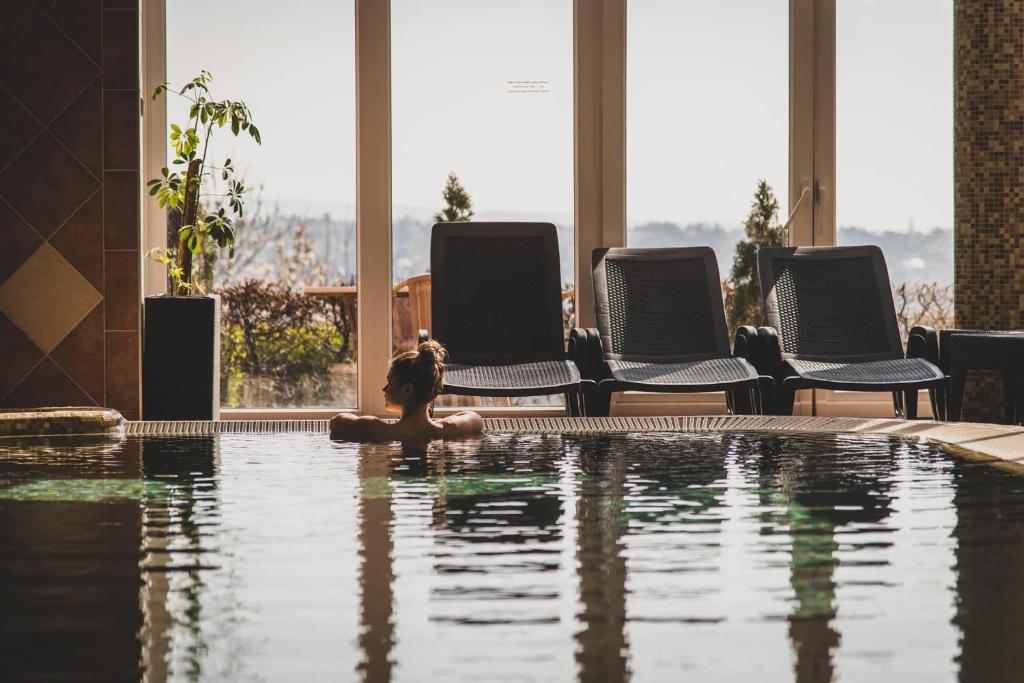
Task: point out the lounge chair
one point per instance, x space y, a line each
661 328
830 323
497 308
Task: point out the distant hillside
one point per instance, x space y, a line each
911 256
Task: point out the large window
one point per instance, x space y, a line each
481 98
894 146
723 108
288 328
707 116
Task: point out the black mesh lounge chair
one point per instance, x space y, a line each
496 306
831 323
661 328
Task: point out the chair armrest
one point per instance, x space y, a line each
923 342
586 352
423 336
745 343
576 350
768 352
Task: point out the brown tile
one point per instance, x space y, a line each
46 386
121 50
122 373
80 241
46 56
17 128
123 297
19 241
80 128
122 222
47 298
81 21
19 353
121 129
80 355
18 15
46 184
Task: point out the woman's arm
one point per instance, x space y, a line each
464 423
349 427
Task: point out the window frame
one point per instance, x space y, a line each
599 161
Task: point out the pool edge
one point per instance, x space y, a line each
1002 445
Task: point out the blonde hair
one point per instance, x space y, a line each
423 368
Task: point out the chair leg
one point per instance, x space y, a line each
599 402
573 404
785 396
1018 413
955 395
933 399
738 401
765 396
589 399
1009 397
897 403
910 404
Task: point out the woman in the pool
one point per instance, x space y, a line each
414 381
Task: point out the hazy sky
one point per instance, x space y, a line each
707 102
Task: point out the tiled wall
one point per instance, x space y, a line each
989 91
69 203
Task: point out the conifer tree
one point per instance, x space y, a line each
763 230
458 206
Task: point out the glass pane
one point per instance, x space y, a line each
894 146
482 94
707 102
288 295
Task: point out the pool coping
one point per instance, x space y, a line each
1000 445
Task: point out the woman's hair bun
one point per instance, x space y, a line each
433 350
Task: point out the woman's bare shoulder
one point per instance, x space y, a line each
465 423
349 427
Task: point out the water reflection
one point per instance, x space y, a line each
599 557
989 572
69 576
376 575
177 516
810 497
602 651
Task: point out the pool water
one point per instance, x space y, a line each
515 558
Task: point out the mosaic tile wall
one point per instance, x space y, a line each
69 203
989 168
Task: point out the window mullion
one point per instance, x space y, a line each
373 199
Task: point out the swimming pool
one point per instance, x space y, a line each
660 556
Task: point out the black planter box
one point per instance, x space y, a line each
181 358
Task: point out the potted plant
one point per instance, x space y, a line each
181 330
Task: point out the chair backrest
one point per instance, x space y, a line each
496 292
830 303
659 304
